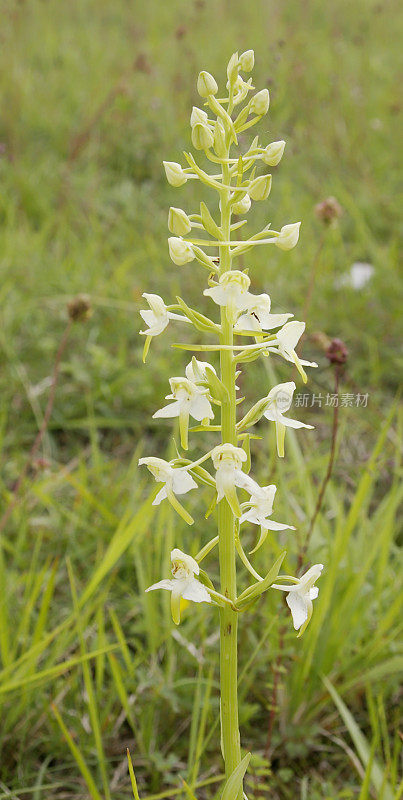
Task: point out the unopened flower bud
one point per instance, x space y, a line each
232 68
242 206
247 61
219 140
273 153
202 137
181 252
206 84
259 188
260 103
176 176
289 236
198 115
178 222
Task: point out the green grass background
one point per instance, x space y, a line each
94 95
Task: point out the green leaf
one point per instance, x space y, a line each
200 322
234 782
217 388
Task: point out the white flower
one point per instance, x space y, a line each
189 400
196 370
184 584
176 175
206 84
247 61
287 339
227 460
156 318
198 116
260 103
258 318
260 507
176 480
231 292
288 237
181 252
178 221
273 153
242 206
299 596
279 401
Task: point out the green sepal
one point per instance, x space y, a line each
203 475
216 386
146 348
200 322
246 446
244 558
253 415
208 223
207 549
204 259
205 429
204 578
211 506
262 539
235 781
223 114
258 588
171 497
280 436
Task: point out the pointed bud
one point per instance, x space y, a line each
178 222
242 206
260 103
202 137
219 140
259 188
198 115
206 84
176 176
273 153
289 236
232 68
247 61
181 252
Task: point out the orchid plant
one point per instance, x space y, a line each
209 397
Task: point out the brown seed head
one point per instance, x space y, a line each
328 210
79 308
337 352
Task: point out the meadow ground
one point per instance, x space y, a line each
94 94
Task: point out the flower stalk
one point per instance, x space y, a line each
209 396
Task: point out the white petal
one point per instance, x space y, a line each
182 482
190 563
313 593
298 606
165 584
200 408
292 423
196 592
160 496
172 410
218 294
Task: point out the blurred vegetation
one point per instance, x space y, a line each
94 95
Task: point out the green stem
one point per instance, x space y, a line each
226 528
